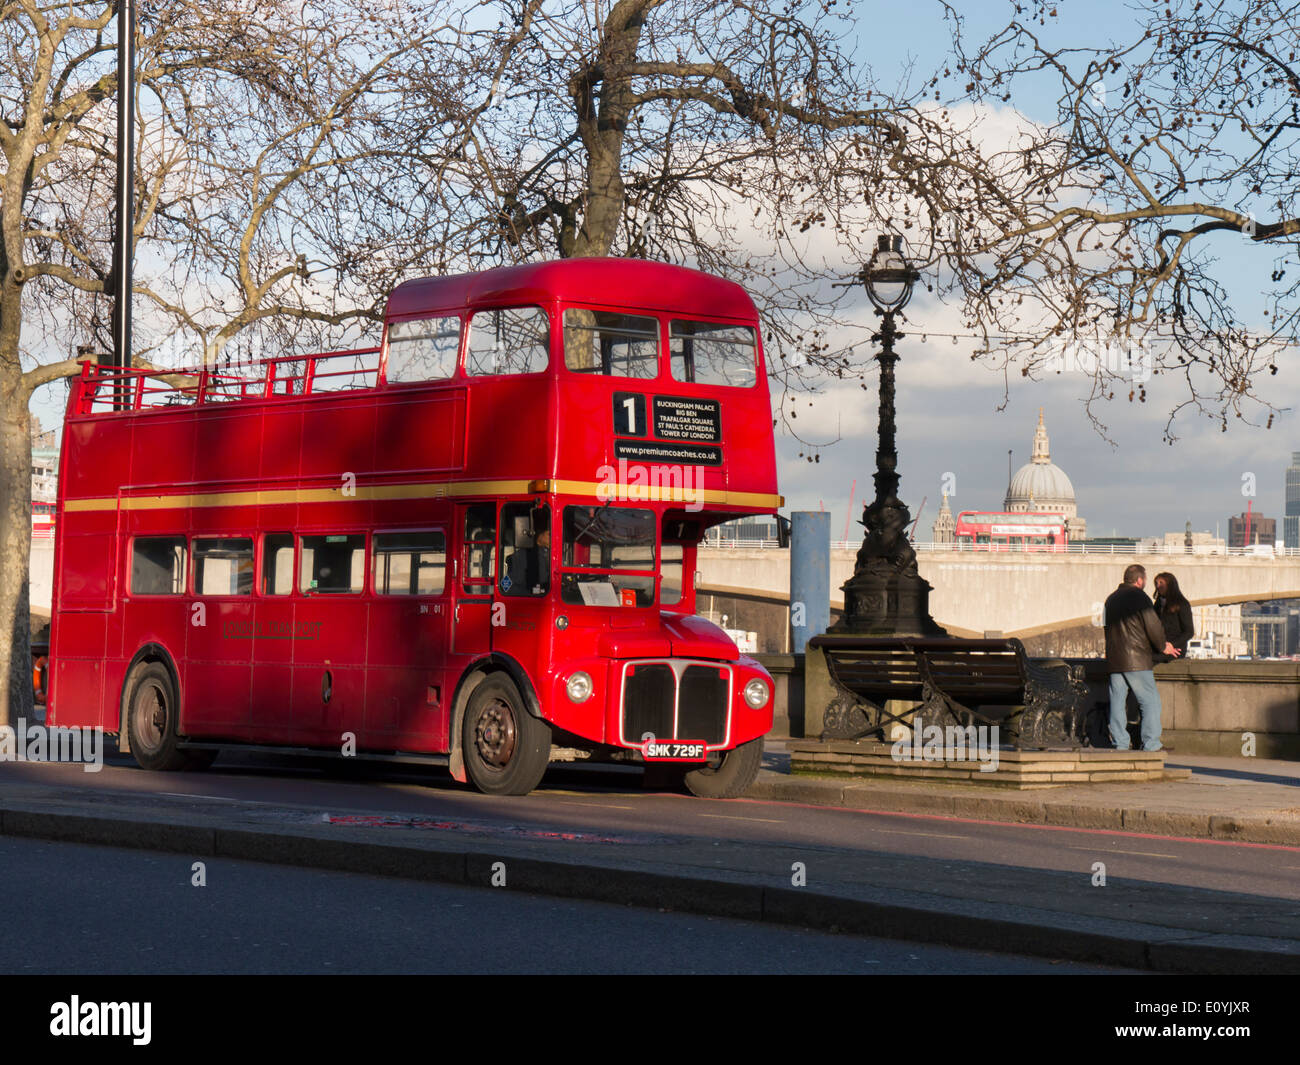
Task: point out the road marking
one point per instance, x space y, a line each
211 798
602 805
902 832
1144 854
1104 850
728 817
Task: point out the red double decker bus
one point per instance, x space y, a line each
1010 531
476 540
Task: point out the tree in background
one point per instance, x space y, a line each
1174 160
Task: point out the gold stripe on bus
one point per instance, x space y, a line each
272 497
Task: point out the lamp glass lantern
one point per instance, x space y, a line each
889 277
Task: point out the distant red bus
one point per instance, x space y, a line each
43 518
477 539
1007 531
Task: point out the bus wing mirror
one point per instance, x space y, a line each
782 531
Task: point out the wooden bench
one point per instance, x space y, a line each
944 681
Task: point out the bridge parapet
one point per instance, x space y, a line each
1018 593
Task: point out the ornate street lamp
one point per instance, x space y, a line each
886 596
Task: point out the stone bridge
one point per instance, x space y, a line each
1016 593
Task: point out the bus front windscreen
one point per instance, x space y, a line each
609 556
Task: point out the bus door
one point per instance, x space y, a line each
406 707
471 611
273 637
219 643
330 633
520 622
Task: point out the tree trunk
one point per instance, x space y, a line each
15 532
602 124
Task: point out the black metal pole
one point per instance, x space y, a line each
886 477
124 212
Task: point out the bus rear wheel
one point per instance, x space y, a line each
152 710
731 777
505 748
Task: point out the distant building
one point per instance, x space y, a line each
945 525
1291 520
1272 628
1221 626
45 463
743 530
1041 485
1193 543
1262 530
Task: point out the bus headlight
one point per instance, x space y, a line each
579 687
757 694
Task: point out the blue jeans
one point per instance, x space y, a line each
1143 684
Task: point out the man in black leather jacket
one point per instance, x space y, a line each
1134 636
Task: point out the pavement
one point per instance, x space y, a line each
1251 800
985 906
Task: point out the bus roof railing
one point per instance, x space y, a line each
108 389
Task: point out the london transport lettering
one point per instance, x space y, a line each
272 630
473 541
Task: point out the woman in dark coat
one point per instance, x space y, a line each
1175 614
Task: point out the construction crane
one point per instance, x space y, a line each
911 536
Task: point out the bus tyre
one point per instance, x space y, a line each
152 709
731 777
505 748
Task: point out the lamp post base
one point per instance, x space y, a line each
881 600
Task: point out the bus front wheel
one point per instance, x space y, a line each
731 777
505 748
152 709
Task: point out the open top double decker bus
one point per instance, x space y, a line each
1010 531
476 540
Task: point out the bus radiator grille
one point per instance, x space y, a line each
650 691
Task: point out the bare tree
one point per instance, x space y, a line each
733 135
253 117
1173 156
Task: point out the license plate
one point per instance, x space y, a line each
674 751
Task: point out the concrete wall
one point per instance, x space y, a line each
1207 706
42 576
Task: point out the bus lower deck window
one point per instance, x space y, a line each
223 565
410 563
277 563
158 566
333 563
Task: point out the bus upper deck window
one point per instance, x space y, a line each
710 353
618 345
423 349
508 340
